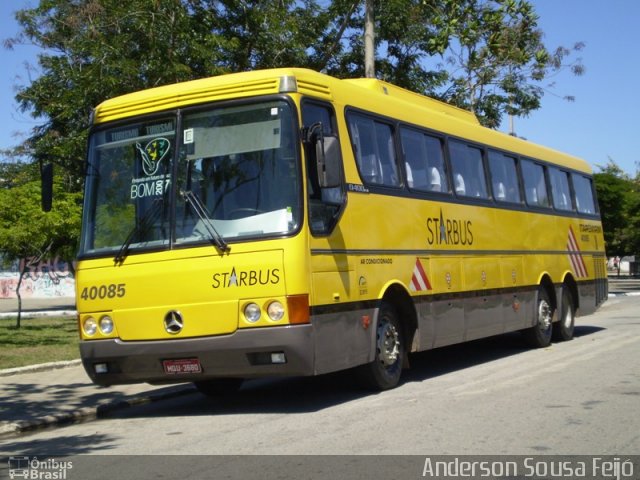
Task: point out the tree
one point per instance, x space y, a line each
98 49
619 200
25 230
631 232
495 58
92 50
491 56
486 56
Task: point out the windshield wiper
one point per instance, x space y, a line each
139 230
201 212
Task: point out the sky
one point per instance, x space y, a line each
599 126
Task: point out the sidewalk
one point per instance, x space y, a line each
37 307
31 398
623 285
61 393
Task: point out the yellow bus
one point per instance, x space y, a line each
284 222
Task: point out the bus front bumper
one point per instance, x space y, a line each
247 353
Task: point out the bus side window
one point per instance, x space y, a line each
387 153
414 158
584 193
435 164
534 184
461 189
458 155
374 150
424 161
468 170
364 145
504 177
560 189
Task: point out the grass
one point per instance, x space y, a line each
38 340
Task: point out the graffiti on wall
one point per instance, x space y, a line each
42 279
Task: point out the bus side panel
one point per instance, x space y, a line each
587 298
483 312
449 322
483 316
343 339
448 308
426 312
593 293
514 299
519 309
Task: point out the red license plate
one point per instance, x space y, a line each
182 366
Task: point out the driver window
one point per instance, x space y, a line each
325 204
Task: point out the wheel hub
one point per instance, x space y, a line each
544 315
388 344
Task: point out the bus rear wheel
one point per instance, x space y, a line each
563 329
219 387
539 335
384 371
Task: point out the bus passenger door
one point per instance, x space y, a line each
340 341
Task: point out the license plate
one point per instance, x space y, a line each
182 366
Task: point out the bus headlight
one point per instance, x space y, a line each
90 326
252 312
275 310
106 325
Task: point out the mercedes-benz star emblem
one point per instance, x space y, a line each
173 322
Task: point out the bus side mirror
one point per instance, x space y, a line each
46 177
328 161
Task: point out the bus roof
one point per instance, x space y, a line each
365 93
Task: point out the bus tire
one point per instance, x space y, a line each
563 328
385 370
219 387
539 335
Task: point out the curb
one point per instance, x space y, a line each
85 414
624 294
40 367
40 313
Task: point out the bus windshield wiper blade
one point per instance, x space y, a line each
138 229
201 212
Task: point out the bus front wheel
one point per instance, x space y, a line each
539 335
384 371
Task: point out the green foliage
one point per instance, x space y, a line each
25 230
495 60
619 200
486 56
483 55
492 52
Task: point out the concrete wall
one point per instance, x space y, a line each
45 279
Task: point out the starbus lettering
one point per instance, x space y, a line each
441 231
246 278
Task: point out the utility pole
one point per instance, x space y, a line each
369 43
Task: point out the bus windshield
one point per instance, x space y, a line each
236 177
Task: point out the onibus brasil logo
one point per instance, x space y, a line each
32 468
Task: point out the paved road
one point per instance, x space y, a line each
490 397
